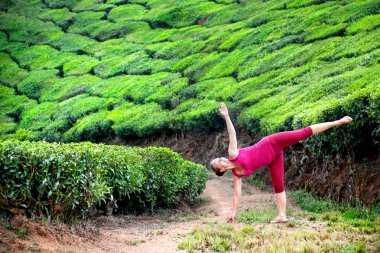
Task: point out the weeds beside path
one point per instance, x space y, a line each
201 229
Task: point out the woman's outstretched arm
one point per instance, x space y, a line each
232 147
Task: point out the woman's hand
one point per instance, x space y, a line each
231 219
223 109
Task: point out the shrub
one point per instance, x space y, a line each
323 32
114 47
221 89
365 24
178 49
71 42
35 81
127 12
67 87
92 128
184 14
196 114
143 33
77 107
65 180
80 65
138 120
10 73
90 5
83 20
38 57
38 116
168 92
229 64
62 17
198 70
60 3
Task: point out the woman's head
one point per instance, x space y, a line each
219 165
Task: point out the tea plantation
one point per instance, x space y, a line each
86 70
90 69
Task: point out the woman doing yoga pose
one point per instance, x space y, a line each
267 152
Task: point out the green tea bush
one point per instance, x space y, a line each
62 17
199 69
145 35
92 128
183 14
64 180
196 114
104 30
77 107
112 47
10 73
35 81
7 125
60 3
79 65
38 116
127 12
38 57
168 92
323 32
49 179
138 120
67 87
89 5
229 64
365 24
83 20
221 89
71 42
178 49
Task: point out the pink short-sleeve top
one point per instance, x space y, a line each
254 157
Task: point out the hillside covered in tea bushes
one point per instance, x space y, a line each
92 69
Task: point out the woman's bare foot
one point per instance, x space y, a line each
345 120
279 219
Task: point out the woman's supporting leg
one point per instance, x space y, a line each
276 170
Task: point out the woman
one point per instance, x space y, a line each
267 152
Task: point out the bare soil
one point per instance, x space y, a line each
145 233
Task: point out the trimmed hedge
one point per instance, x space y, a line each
64 180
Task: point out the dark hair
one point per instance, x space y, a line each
216 170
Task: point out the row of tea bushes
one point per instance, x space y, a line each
65 180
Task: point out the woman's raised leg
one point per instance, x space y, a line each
321 127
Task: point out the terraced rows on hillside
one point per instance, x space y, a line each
84 70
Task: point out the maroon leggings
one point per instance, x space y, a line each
279 142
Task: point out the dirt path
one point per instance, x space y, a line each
159 233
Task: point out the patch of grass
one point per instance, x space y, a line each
263 216
226 238
339 216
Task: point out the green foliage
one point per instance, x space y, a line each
79 65
67 87
190 113
38 57
91 127
365 24
64 180
127 12
70 42
323 32
62 17
10 73
109 48
138 120
35 81
283 64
